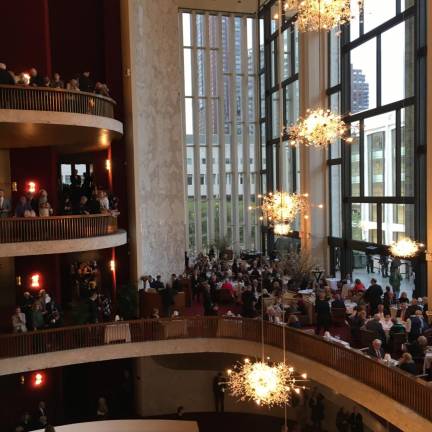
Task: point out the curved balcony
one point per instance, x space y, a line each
74 121
58 234
392 394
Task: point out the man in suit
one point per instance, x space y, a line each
219 387
375 350
35 79
6 77
5 205
413 307
375 326
373 295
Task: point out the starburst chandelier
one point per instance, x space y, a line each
264 383
280 209
315 15
405 248
319 128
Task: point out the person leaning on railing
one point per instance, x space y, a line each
6 77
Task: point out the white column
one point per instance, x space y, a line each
313 161
152 83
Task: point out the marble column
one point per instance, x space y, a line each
152 84
314 231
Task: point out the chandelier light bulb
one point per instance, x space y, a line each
264 383
405 248
317 15
320 128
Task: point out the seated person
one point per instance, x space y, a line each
397 326
338 303
301 307
387 323
375 326
24 208
403 298
19 321
413 307
358 287
83 208
418 348
375 350
406 363
402 312
294 322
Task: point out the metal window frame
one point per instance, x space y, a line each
346 243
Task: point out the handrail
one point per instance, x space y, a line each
394 383
17 230
59 100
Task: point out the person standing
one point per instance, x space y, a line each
5 205
219 387
35 79
19 321
356 421
373 296
323 314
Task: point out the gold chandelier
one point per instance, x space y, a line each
319 128
315 15
279 210
405 248
264 383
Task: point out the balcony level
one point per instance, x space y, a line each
73 121
400 398
58 234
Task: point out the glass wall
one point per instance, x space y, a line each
373 69
220 126
279 94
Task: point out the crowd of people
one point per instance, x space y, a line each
80 82
37 420
82 196
36 312
86 284
78 198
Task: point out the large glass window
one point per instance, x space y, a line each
374 175
279 92
220 124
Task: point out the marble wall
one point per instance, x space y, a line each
152 71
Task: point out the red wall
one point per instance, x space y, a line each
18 398
48 266
77 37
24 35
39 165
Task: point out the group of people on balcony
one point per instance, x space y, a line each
79 199
82 196
36 312
37 421
81 82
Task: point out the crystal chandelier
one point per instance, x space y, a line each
315 15
264 383
319 128
405 248
279 210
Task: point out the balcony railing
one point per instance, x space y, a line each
392 382
59 100
16 230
